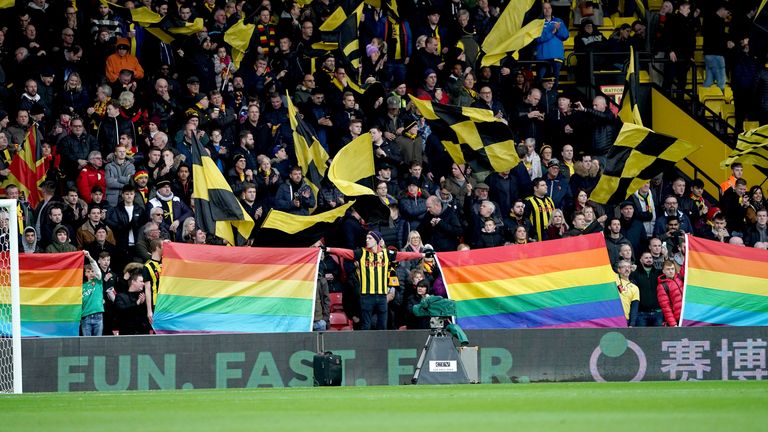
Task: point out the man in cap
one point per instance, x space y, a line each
174 209
123 59
372 264
557 185
430 91
141 180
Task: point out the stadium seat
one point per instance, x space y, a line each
728 113
568 44
728 94
336 304
654 5
607 24
617 22
749 125
339 321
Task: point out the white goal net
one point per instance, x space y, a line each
10 322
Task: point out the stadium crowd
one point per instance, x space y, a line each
119 109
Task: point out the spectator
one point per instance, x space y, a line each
295 196
629 293
174 210
670 293
119 173
539 208
549 46
121 60
441 228
91 175
60 242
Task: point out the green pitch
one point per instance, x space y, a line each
593 407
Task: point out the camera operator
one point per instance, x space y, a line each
295 196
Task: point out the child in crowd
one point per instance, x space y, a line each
670 293
92 316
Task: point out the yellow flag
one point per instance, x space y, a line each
238 37
337 17
189 28
291 223
5 4
144 16
352 163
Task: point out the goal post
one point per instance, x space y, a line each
10 299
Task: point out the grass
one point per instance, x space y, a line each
593 407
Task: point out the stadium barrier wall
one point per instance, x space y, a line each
388 358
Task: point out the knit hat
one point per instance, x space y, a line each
139 174
370 49
376 236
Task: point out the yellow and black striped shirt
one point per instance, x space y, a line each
540 212
373 270
151 274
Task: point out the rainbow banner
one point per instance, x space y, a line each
51 291
558 283
216 289
725 285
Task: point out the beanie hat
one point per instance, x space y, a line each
376 236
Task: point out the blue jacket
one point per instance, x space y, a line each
550 45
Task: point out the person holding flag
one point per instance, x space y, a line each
372 263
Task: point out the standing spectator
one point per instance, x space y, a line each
86 234
539 208
174 210
92 315
670 293
119 172
373 269
628 292
614 239
441 227
549 46
735 203
295 196
680 35
91 175
717 44
646 278
112 127
126 219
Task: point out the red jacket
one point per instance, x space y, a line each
89 177
671 303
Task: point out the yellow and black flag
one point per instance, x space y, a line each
310 154
471 134
217 210
638 155
353 163
298 224
239 37
6 4
751 148
349 44
630 111
165 28
515 29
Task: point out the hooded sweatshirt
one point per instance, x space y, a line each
60 247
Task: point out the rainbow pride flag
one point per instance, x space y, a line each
558 283
725 285
216 289
51 291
